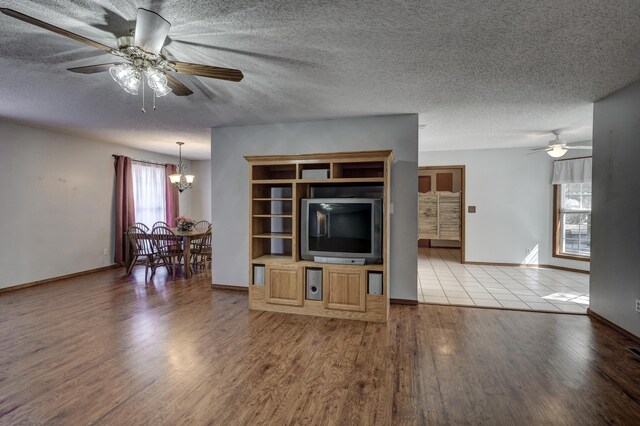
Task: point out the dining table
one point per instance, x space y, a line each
187 237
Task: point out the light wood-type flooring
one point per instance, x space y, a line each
105 349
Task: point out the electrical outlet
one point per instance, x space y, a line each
528 250
105 252
637 305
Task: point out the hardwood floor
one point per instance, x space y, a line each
103 349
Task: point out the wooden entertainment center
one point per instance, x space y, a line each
277 273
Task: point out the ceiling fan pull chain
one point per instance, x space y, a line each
143 110
154 100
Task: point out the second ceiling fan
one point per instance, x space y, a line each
557 147
144 55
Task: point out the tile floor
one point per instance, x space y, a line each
443 279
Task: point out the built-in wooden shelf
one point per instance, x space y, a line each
272 181
343 180
276 193
273 258
282 235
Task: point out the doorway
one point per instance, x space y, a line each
441 216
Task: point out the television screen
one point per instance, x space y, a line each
340 227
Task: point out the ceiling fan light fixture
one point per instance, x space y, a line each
161 91
127 76
157 80
557 151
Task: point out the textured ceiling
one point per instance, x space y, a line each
480 73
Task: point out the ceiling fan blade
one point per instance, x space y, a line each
151 31
208 71
177 87
533 153
539 149
578 147
57 30
92 69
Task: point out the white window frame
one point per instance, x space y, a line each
560 212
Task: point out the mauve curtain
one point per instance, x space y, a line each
172 196
125 211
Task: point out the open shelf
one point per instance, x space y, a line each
274 181
320 167
343 180
273 258
358 170
272 191
283 235
273 172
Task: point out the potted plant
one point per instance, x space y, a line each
185 223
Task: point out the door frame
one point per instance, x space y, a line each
463 206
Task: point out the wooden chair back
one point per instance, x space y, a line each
140 241
142 225
160 223
202 225
165 240
204 244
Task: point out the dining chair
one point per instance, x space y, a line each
142 250
202 225
142 225
160 223
201 253
169 248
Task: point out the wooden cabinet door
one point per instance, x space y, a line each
424 184
444 182
283 285
345 289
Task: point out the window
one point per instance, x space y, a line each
573 221
149 183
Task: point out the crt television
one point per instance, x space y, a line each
341 228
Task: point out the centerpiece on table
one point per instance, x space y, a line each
185 223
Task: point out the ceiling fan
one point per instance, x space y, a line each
145 56
558 147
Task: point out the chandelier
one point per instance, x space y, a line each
180 180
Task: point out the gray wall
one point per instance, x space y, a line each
230 185
615 257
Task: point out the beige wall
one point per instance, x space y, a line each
57 202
